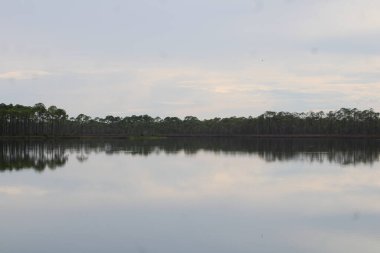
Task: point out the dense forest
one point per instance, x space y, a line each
39 120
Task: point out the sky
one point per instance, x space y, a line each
205 58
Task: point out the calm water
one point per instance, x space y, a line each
190 196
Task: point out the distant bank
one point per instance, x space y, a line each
156 137
39 121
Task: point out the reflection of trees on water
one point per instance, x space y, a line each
340 151
15 155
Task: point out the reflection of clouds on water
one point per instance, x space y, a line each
22 191
263 172
334 241
224 193
194 180
216 168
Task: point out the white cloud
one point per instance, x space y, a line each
235 59
24 74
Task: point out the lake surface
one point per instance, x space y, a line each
210 195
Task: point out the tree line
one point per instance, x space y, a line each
39 120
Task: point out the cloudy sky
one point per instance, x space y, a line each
205 58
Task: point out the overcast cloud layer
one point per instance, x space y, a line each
205 58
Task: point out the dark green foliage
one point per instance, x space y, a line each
37 120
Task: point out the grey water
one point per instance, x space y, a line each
190 195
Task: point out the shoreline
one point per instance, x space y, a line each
160 137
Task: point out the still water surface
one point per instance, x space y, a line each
190 196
